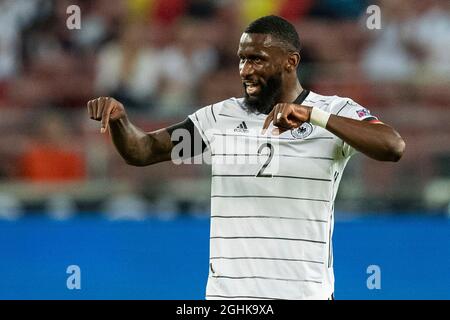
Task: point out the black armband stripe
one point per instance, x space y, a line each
193 131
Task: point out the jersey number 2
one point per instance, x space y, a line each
271 150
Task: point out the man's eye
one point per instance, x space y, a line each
252 60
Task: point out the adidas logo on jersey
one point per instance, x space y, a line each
242 128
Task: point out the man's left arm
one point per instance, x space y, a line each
376 140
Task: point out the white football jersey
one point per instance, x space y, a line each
272 201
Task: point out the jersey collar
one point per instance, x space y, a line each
301 97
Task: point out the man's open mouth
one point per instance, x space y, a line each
252 88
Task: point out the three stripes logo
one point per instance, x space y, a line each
242 128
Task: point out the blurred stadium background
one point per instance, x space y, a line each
66 197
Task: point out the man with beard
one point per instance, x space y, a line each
278 157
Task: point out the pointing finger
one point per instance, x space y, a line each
267 122
279 111
276 114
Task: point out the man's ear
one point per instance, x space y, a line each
293 61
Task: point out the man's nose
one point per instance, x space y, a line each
245 69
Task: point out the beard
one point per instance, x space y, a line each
267 98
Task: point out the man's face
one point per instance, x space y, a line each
261 71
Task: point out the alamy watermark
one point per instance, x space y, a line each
374 279
74 279
373 22
73 21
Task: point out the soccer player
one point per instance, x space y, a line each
271 220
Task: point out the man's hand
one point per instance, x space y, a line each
287 116
105 109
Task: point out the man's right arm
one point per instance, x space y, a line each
136 147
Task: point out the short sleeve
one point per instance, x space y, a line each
205 121
350 109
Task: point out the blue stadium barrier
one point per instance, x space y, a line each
158 259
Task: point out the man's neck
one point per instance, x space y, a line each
292 92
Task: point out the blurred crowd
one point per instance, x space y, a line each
165 58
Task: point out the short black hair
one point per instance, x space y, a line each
279 28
